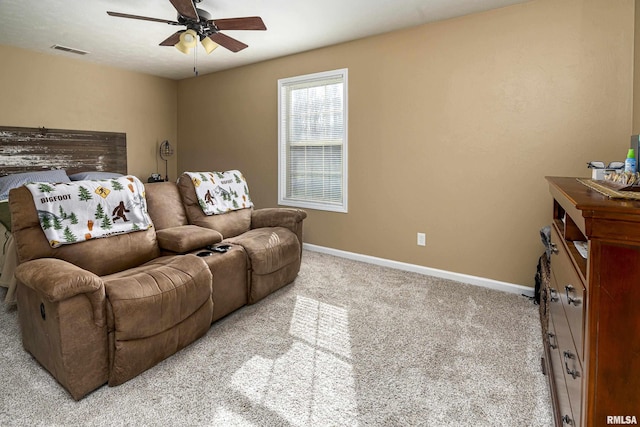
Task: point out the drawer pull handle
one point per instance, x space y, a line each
574 373
554 295
567 420
574 301
552 335
554 248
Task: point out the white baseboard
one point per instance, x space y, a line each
443 274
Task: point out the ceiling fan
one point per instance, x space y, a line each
200 26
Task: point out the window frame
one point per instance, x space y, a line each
283 146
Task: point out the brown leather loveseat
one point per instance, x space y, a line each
104 310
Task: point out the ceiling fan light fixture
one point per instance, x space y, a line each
201 27
208 44
182 48
188 40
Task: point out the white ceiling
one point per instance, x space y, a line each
292 26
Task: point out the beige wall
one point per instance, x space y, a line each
452 128
453 125
62 93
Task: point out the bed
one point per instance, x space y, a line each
50 155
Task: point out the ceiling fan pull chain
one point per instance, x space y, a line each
195 61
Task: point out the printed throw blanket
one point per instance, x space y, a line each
76 211
220 192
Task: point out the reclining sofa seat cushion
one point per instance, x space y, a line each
274 252
79 325
154 311
274 258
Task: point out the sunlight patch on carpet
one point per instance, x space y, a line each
312 383
321 324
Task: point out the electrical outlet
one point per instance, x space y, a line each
422 239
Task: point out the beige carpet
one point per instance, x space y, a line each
348 344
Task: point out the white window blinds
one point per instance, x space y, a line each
313 141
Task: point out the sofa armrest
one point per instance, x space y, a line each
279 217
58 280
186 238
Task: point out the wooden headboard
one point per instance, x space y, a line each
32 149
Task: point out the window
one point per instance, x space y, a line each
312 133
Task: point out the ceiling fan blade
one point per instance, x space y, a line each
228 42
186 8
248 23
144 18
172 39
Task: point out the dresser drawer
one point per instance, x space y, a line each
566 365
570 290
557 372
565 360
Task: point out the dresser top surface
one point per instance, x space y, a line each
586 199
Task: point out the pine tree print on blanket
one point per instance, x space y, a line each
76 211
220 192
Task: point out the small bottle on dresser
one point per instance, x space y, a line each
630 161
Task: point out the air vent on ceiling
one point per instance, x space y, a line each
69 49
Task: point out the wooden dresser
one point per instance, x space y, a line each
592 331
